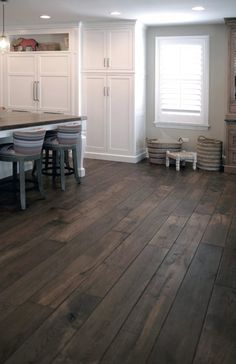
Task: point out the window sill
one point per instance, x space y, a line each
180 126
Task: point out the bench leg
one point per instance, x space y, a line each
177 163
167 162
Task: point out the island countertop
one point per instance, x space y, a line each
14 120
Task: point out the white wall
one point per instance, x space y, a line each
217 82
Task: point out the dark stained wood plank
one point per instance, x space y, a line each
208 202
55 332
122 267
217 342
169 232
227 272
179 335
58 289
37 252
217 230
102 326
19 325
187 206
146 320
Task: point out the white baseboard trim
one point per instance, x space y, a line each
116 157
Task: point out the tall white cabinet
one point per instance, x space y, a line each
113 90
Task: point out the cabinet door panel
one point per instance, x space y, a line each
54 83
23 65
20 92
94 106
21 75
120 50
119 114
54 93
94 50
54 65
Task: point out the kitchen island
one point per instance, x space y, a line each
11 121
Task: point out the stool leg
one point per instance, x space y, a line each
22 185
14 173
75 164
54 164
62 169
39 176
67 160
177 163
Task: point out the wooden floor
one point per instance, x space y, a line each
135 265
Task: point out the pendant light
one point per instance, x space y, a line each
4 41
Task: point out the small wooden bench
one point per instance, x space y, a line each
182 156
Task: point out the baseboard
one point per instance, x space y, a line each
230 169
116 157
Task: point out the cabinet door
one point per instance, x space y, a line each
94 50
54 83
120 114
20 88
94 107
120 50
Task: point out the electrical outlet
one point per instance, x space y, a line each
185 140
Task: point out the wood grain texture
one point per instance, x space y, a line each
121 269
217 342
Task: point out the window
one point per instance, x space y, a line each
182 81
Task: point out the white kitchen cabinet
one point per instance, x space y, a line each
109 108
113 90
108 49
39 82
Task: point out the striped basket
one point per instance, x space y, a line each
157 150
209 154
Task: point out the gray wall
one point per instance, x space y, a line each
217 82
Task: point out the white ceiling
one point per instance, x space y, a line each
151 12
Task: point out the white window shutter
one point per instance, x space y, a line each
181 80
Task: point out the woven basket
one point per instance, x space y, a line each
209 154
157 150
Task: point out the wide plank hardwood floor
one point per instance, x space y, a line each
135 265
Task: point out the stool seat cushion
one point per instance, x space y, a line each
68 134
28 143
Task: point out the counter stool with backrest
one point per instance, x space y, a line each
26 146
65 140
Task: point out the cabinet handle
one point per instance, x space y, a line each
34 91
105 62
37 90
104 91
108 91
108 62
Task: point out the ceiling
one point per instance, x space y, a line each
150 12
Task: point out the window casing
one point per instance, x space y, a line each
182 81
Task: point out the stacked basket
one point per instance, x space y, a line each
209 154
157 149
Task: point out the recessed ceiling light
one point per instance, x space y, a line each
45 17
198 8
115 13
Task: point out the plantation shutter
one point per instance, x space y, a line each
181 80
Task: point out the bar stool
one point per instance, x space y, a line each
26 146
66 139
